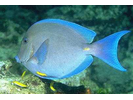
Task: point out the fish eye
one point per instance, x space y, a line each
25 40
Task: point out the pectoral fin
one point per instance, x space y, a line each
40 54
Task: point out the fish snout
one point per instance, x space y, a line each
17 59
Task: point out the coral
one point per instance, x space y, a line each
35 86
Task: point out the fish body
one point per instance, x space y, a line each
59 49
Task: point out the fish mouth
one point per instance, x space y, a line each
17 59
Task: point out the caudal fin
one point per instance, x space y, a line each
106 49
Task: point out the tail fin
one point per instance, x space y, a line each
106 49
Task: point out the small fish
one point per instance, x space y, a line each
51 86
19 84
23 74
57 49
41 74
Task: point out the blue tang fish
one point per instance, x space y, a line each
57 49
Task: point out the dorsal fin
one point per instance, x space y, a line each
86 33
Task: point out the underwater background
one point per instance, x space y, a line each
99 78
